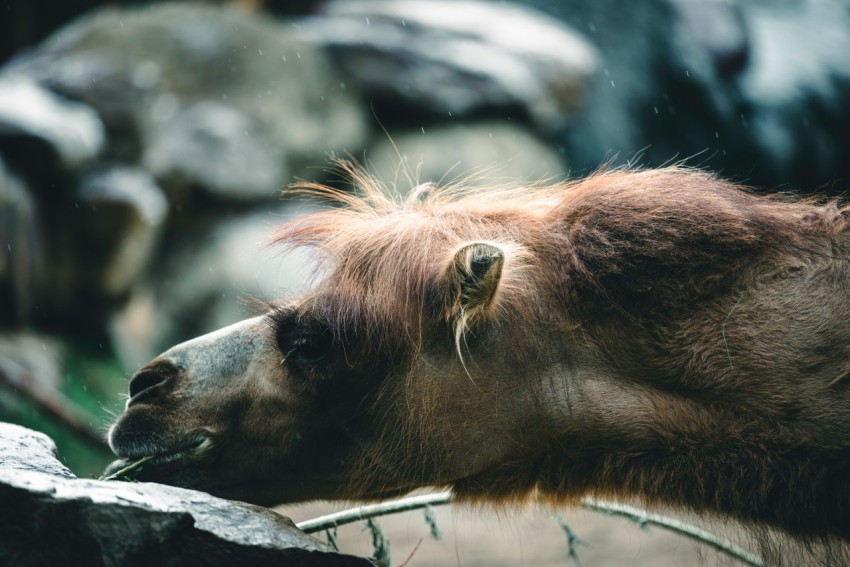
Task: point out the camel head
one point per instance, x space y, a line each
660 334
418 360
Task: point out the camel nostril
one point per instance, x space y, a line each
147 379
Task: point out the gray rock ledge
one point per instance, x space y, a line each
49 517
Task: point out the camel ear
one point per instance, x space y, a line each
475 271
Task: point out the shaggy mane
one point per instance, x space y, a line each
644 241
383 257
635 241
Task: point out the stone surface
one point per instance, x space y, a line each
142 69
458 57
39 356
212 277
478 153
21 249
123 213
757 91
644 106
216 146
25 450
797 93
102 234
71 130
49 517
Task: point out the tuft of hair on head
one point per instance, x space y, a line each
386 253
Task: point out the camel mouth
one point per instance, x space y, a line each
142 456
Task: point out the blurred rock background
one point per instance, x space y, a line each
144 146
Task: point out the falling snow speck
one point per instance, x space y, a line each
260 51
655 109
368 23
612 84
423 129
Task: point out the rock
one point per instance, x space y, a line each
48 517
25 450
458 58
477 153
72 131
39 356
757 91
102 238
22 254
218 147
718 30
642 107
123 212
210 278
796 91
144 68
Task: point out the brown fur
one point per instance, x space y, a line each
661 335
751 419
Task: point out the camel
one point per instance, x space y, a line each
656 335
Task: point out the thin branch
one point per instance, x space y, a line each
643 518
637 515
573 541
374 511
380 543
432 524
51 402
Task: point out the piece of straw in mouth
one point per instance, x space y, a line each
129 472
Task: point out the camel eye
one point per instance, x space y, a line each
309 348
302 344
